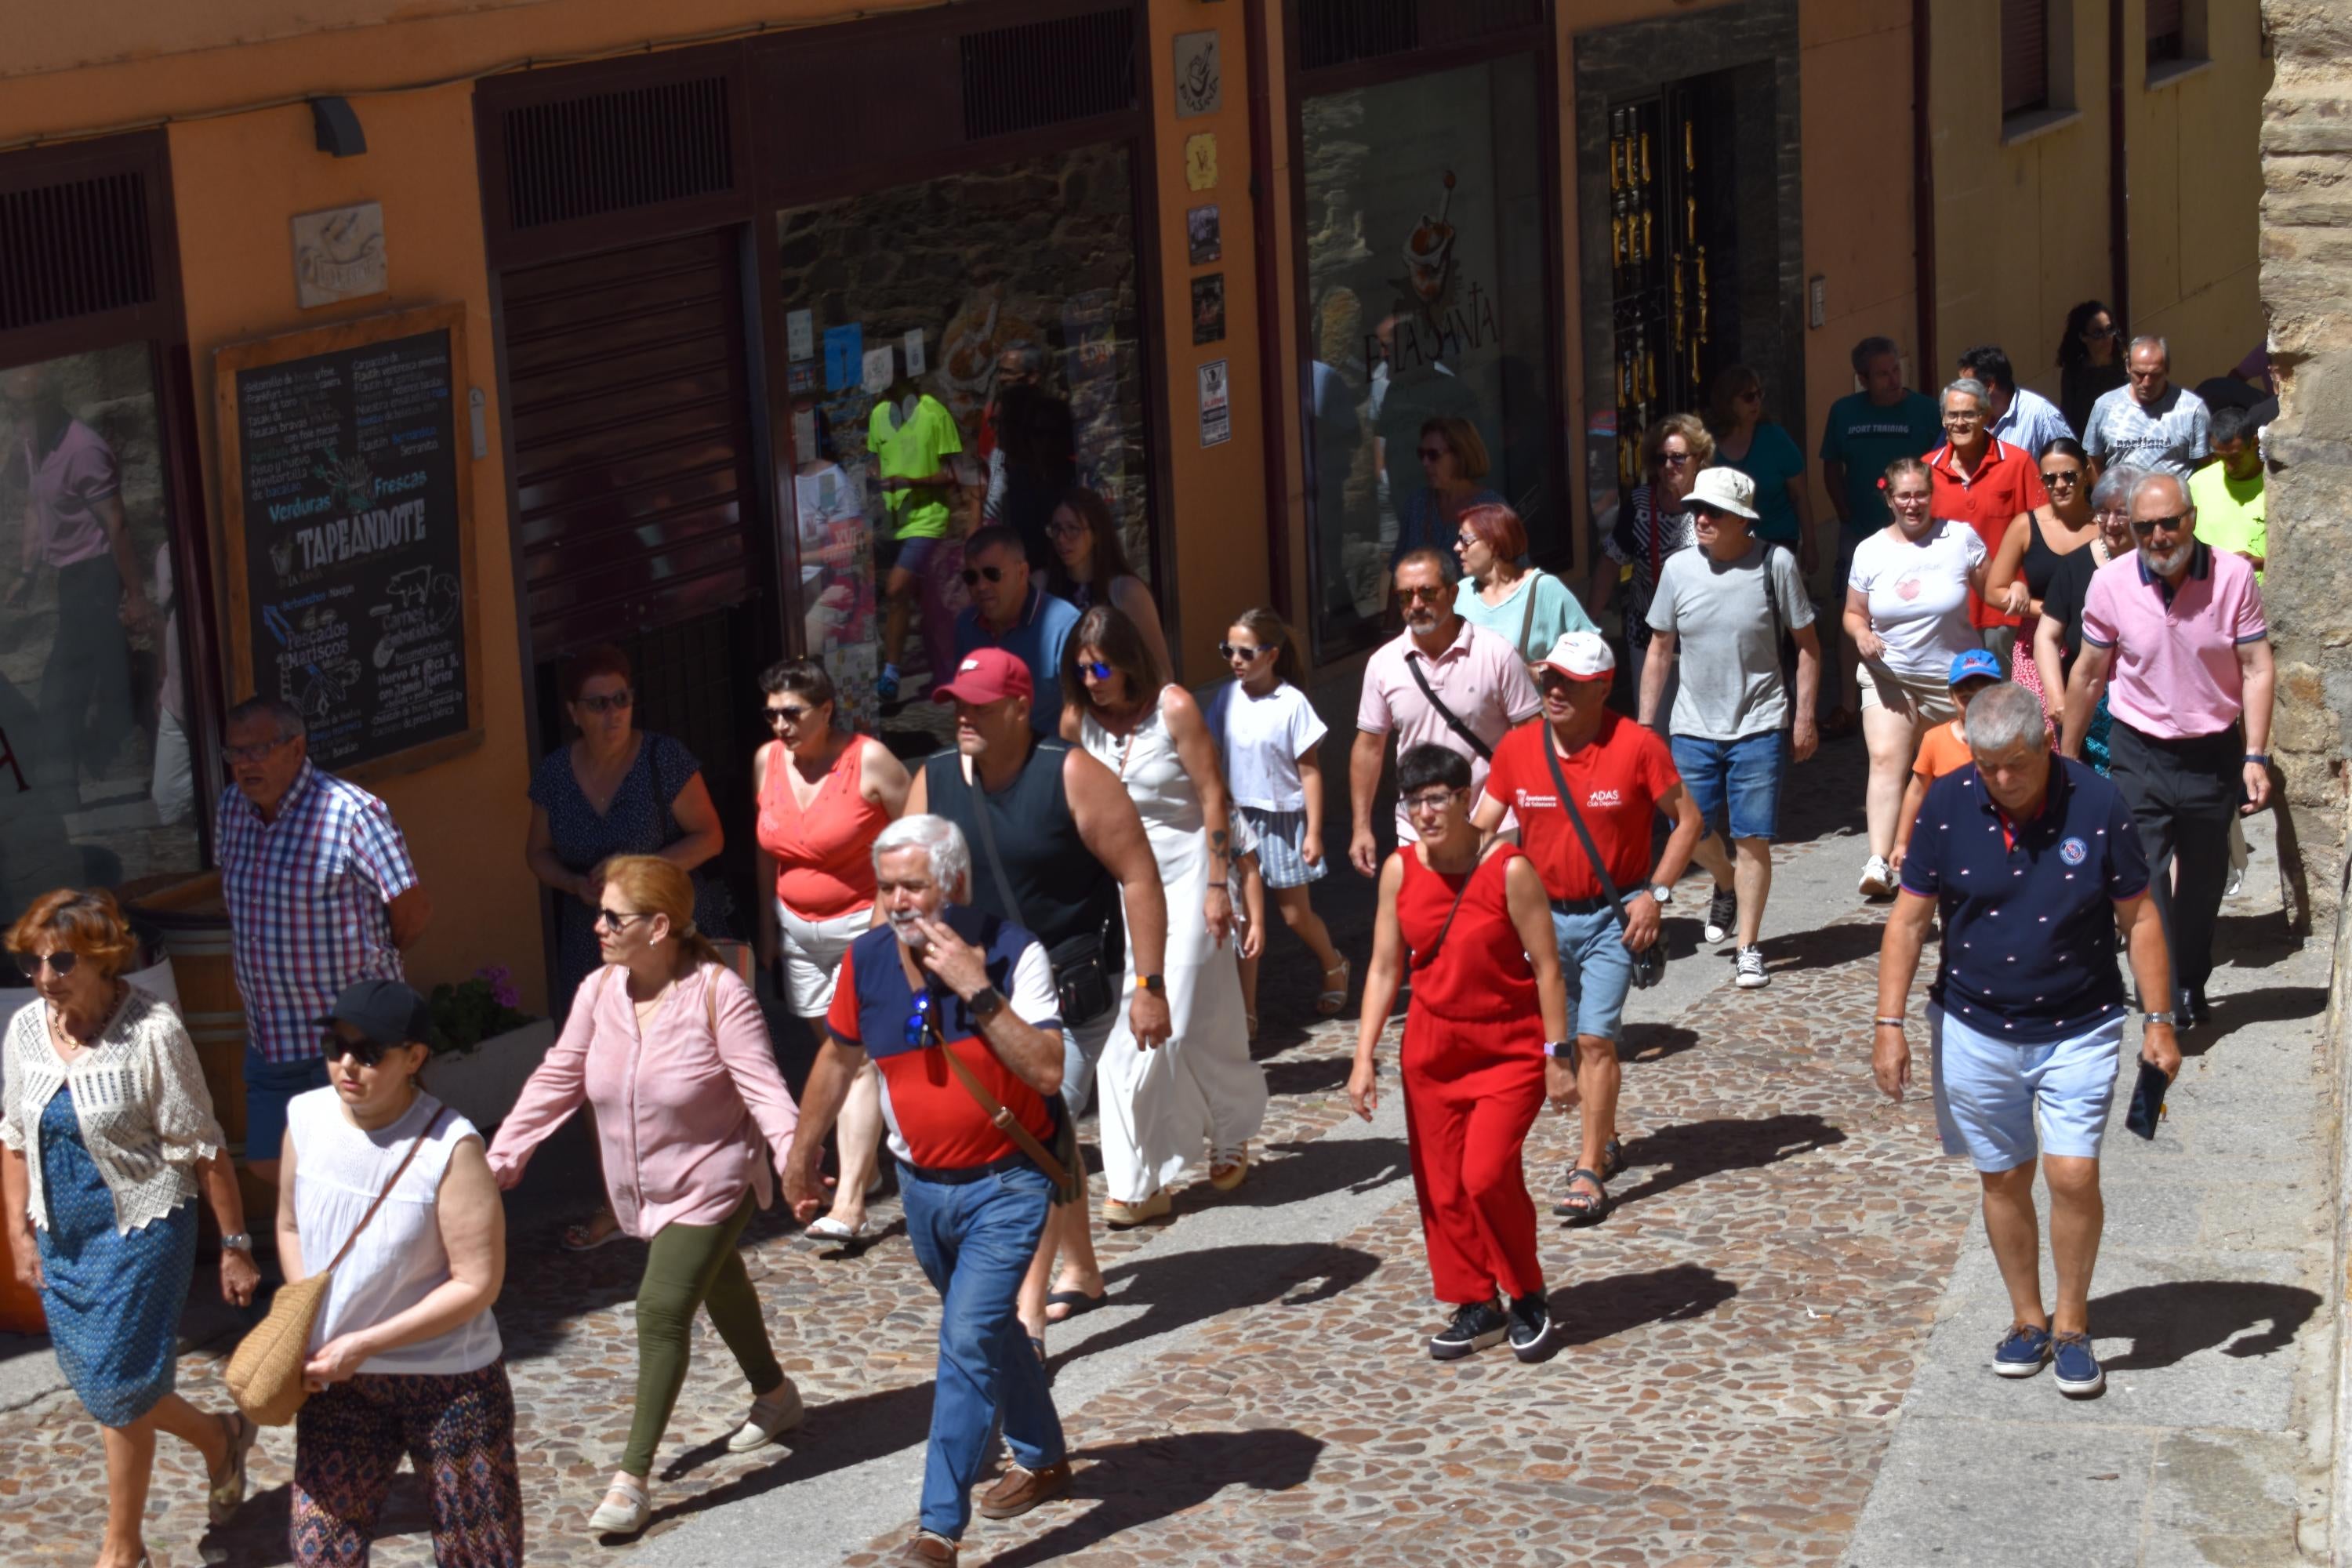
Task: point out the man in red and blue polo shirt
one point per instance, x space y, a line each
1986 483
940 978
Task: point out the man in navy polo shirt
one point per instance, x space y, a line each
936 978
2034 863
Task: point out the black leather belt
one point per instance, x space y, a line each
1592 905
962 1175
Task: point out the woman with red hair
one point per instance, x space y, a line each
1524 605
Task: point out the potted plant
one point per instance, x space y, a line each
484 1046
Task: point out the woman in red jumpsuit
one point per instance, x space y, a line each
1477 1063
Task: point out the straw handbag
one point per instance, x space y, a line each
264 1374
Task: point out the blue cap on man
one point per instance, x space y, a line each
1975 663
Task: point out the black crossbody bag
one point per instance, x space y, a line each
1453 720
1083 981
1650 963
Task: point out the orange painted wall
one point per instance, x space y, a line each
236 180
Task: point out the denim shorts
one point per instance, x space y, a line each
1741 777
915 555
1989 1092
1082 1052
268 1087
1597 970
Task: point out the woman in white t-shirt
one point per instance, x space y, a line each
1906 609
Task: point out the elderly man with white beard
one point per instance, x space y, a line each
2174 633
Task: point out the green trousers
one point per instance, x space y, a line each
690 1266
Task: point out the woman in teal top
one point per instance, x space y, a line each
1745 440
1523 604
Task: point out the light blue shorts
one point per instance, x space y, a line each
1596 968
1082 1052
1989 1092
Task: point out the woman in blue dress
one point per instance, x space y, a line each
106 1133
616 790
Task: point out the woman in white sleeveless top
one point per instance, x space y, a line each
405 1357
1199 1094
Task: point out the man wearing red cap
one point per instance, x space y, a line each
1057 848
1616 773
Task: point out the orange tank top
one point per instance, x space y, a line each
823 854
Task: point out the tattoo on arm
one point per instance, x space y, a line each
1220 847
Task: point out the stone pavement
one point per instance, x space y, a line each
1774 1344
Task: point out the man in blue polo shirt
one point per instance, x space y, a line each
2034 863
1011 612
934 979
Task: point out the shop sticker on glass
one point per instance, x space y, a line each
804 435
799 335
915 361
844 356
1216 406
879 370
1200 86
800 377
1201 159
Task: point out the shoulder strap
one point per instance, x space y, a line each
979 819
398 1172
1429 954
1576 820
1528 615
1003 1121
1452 721
1772 598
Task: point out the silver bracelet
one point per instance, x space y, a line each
1888 1023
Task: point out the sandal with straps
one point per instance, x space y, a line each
1583 1208
629 1515
1332 998
223 1498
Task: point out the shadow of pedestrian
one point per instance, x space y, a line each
1824 947
1593 1310
1323 1165
2169 1323
1692 1149
1653 1042
2244 1009
1177 1291
1132 1484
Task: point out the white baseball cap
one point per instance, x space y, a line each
1725 490
1580 655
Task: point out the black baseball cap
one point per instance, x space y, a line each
385 1011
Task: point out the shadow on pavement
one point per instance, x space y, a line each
2169 1323
1133 1484
1653 1042
1177 1291
1824 947
1593 1310
1324 1165
1693 1149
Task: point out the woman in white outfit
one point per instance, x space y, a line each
1199 1094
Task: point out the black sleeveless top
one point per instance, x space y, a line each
1064 891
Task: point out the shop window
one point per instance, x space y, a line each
98 785
2025 57
1425 218
900 305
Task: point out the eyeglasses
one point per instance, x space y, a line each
1094 667
790 713
614 920
618 702
2063 476
1430 800
254 753
1434 595
919 1020
2144 526
973 575
364 1053
1964 418
1067 530
1433 454
61 963
2109 330
1233 651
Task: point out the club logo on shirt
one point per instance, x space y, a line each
1522 800
2074 851
1601 797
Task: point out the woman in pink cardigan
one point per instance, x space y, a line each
693 1120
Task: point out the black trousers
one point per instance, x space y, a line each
2183 795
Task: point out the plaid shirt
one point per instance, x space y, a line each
306 898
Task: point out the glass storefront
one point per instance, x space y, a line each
911 315
1424 228
97 774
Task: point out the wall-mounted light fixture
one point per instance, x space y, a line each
338 125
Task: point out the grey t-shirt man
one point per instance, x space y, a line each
1728 641
2173 437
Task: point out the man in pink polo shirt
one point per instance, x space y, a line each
1984 482
2174 633
1444 683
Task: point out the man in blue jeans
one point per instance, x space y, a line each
936 977
1721 611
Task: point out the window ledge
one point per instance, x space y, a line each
2164 73
2035 122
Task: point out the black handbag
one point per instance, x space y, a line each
1083 981
1649 963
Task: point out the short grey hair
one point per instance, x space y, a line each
942 840
2115 487
2155 476
2003 715
2149 340
1967 386
277 709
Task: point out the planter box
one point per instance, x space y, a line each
481 1084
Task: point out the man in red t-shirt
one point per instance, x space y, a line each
1986 483
1618 773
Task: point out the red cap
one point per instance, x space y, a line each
986 675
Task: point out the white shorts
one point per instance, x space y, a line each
812 953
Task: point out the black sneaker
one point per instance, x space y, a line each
1535 1335
1722 914
1473 1329
2199 1008
2184 1016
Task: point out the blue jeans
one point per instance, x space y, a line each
1597 970
1738 781
268 1087
974 1242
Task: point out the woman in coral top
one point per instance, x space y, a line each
825 794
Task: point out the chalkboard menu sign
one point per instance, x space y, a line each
350 536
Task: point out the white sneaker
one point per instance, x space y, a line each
1749 969
1877 878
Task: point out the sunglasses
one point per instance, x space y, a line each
618 702
1432 595
791 713
1673 459
919 1020
1094 667
1432 454
1232 650
1430 800
614 920
61 963
364 1053
973 575
2143 527
254 753
2063 476
2102 332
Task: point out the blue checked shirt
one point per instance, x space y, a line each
306 898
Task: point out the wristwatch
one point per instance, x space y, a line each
1662 892
1154 984
1559 1048
986 1002
239 1242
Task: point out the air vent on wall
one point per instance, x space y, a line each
611 152
1043 73
1337 32
74 250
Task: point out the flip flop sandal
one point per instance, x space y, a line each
824 1228
584 1237
1581 1208
1076 1304
1332 999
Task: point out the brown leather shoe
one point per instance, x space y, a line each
1022 1490
926 1551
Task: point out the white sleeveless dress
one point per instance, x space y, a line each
1199 1096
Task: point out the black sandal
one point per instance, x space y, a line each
1613 1161
1578 1208
1074 1304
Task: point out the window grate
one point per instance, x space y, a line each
611 151
1044 73
74 250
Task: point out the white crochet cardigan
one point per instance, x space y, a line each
138 1095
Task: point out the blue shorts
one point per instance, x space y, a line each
1989 1092
914 555
1082 1052
1597 970
268 1087
1741 777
